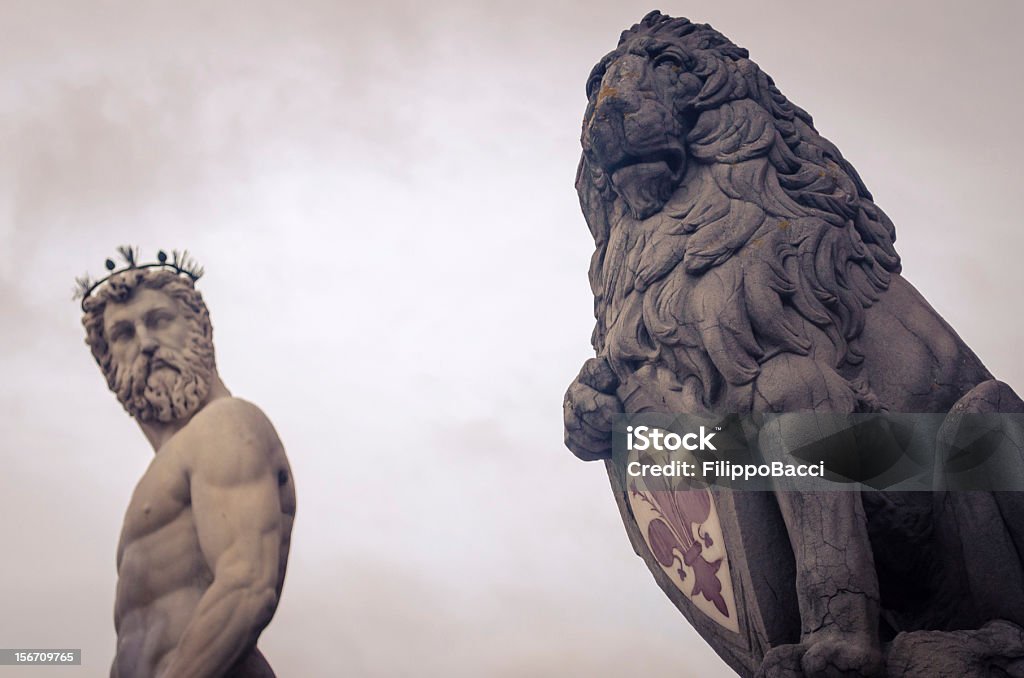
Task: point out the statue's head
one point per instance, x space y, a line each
150 333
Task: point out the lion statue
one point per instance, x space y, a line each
741 266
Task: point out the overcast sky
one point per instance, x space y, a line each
396 271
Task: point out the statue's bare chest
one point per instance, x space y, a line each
161 498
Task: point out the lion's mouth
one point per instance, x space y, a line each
671 158
646 182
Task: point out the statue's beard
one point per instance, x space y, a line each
167 386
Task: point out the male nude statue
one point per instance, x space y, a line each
204 546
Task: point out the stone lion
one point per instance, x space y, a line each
743 267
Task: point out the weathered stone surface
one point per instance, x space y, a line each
741 266
205 540
996 649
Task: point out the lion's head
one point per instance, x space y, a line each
712 196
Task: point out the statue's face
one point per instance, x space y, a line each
158 374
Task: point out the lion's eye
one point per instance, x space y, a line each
668 59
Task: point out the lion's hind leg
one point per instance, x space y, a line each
981 447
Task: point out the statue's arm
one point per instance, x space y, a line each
237 513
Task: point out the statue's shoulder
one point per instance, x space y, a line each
232 431
230 415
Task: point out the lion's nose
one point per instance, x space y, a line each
605 129
621 86
615 102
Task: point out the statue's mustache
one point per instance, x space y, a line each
145 365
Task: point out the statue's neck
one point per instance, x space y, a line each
158 433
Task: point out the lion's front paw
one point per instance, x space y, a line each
590 409
782 662
842 658
823 658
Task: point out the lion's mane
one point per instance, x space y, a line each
771 232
